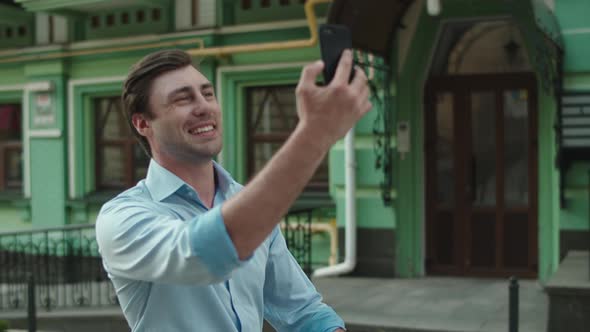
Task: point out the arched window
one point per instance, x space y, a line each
480 48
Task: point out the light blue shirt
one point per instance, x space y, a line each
175 268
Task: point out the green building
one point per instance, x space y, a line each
471 164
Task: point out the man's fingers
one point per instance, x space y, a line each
366 107
344 66
364 93
360 79
310 73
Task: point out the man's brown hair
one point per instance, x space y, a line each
138 84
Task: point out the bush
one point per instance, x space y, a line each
3 325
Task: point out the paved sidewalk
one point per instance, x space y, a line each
432 304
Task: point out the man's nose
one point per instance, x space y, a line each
201 108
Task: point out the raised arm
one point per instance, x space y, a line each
325 115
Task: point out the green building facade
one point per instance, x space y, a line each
483 180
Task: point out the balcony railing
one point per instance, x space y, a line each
64 263
67 269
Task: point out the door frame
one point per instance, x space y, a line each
463 84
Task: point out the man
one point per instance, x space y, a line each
188 249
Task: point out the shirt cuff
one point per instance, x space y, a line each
326 320
212 244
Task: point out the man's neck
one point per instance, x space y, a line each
200 176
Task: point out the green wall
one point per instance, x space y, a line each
14 217
573 20
48 165
48 189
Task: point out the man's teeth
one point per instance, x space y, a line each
202 130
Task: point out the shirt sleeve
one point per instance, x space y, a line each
291 302
137 243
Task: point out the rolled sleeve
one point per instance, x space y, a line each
210 242
138 242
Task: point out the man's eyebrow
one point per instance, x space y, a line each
206 86
173 93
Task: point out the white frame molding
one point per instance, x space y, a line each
246 68
72 85
45 133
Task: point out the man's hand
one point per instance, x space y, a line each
339 330
327 113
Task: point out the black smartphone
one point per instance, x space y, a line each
334 39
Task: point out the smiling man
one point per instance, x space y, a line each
188 248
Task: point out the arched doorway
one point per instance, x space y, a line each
481 153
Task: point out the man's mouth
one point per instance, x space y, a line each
202 130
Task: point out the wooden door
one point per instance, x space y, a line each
481 175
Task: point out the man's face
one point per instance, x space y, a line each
186 118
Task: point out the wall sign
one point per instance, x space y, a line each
44 110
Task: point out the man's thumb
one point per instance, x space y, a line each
311 71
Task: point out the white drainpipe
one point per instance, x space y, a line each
433 7
350 214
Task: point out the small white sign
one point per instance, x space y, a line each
44 113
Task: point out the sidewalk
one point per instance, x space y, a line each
432 304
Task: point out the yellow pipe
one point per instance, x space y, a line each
322 227
202 51
66 54
271 46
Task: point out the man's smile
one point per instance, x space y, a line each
204 130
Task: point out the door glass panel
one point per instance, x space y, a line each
516 143
482 162
445 174
482 167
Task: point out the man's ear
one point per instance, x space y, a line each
141 124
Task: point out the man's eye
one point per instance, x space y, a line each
208 94
182 99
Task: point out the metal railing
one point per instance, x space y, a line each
64 263
297 232
67 269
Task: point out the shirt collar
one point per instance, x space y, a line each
162 183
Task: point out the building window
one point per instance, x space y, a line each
140 16
95 21
120 160
11 153
110 20
125 18
272 116
156 14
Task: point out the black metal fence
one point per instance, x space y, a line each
67 269
297 232
64 264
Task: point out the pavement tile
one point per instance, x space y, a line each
432 304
